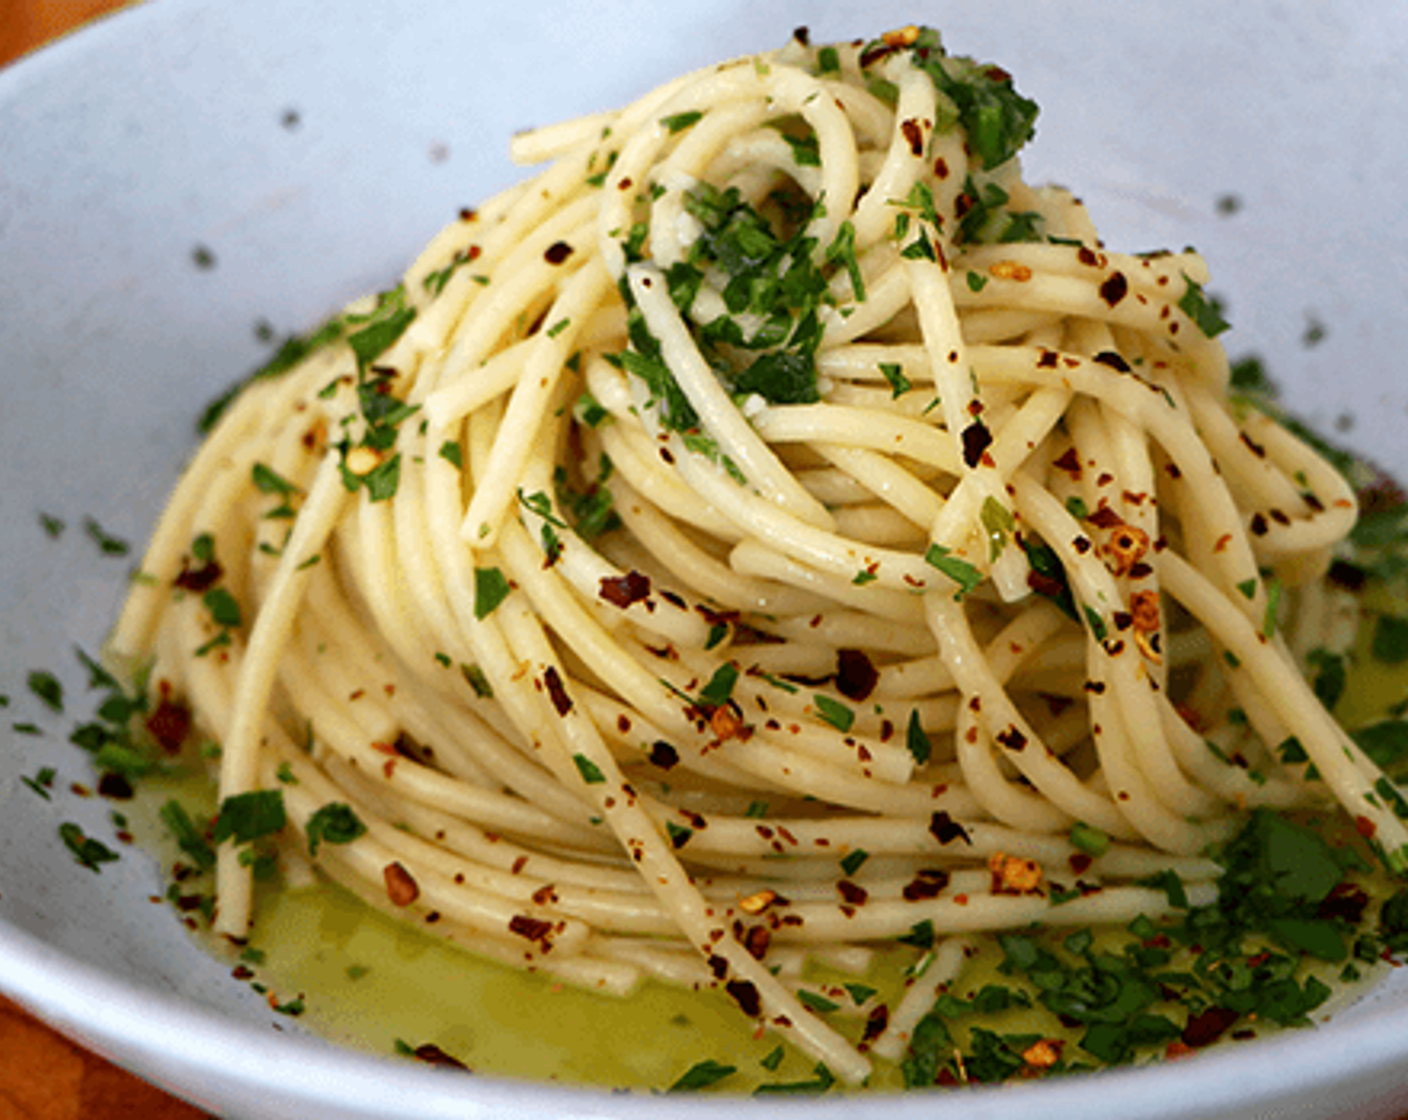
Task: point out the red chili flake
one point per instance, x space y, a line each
853 893
875 1024
1258 525
756 940
432 1055
622 591
946 830
745 994
114 786
941 168
557 252
1047 359
1114 289
1105 518
401 887
1113 360
914 136
1070 463
169 725
557 691
1256 449
725 724
856 675
1207 1026
1349 576
663 755
976 440
1044 585
1365 827
545 895
1011 738
532 929
927 883
1080 862
201 579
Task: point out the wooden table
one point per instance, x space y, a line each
43 1076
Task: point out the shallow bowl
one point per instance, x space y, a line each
179 180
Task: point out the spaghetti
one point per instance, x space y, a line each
773 527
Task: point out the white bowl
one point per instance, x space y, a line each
312 146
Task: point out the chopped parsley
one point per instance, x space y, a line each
1089 839
335 823
1205 312
835 713
589 770
245 817
960 571
88 852
491 587
916 740
893 373
190 839
702 1075
997 119
681 121
998 523
1390 639
452 453
47 688
42 782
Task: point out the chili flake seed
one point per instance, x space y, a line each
1013 875
902 37
1126 547
401 887
1010 270
1144 609
725 724
1042 1054
757 903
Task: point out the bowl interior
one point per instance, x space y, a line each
180 181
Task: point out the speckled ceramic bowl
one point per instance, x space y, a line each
174 177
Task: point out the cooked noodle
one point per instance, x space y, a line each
772 527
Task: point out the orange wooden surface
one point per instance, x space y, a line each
43 1076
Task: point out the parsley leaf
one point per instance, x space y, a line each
1205 313
90 853
249 816
701 1075
960 571
335 823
